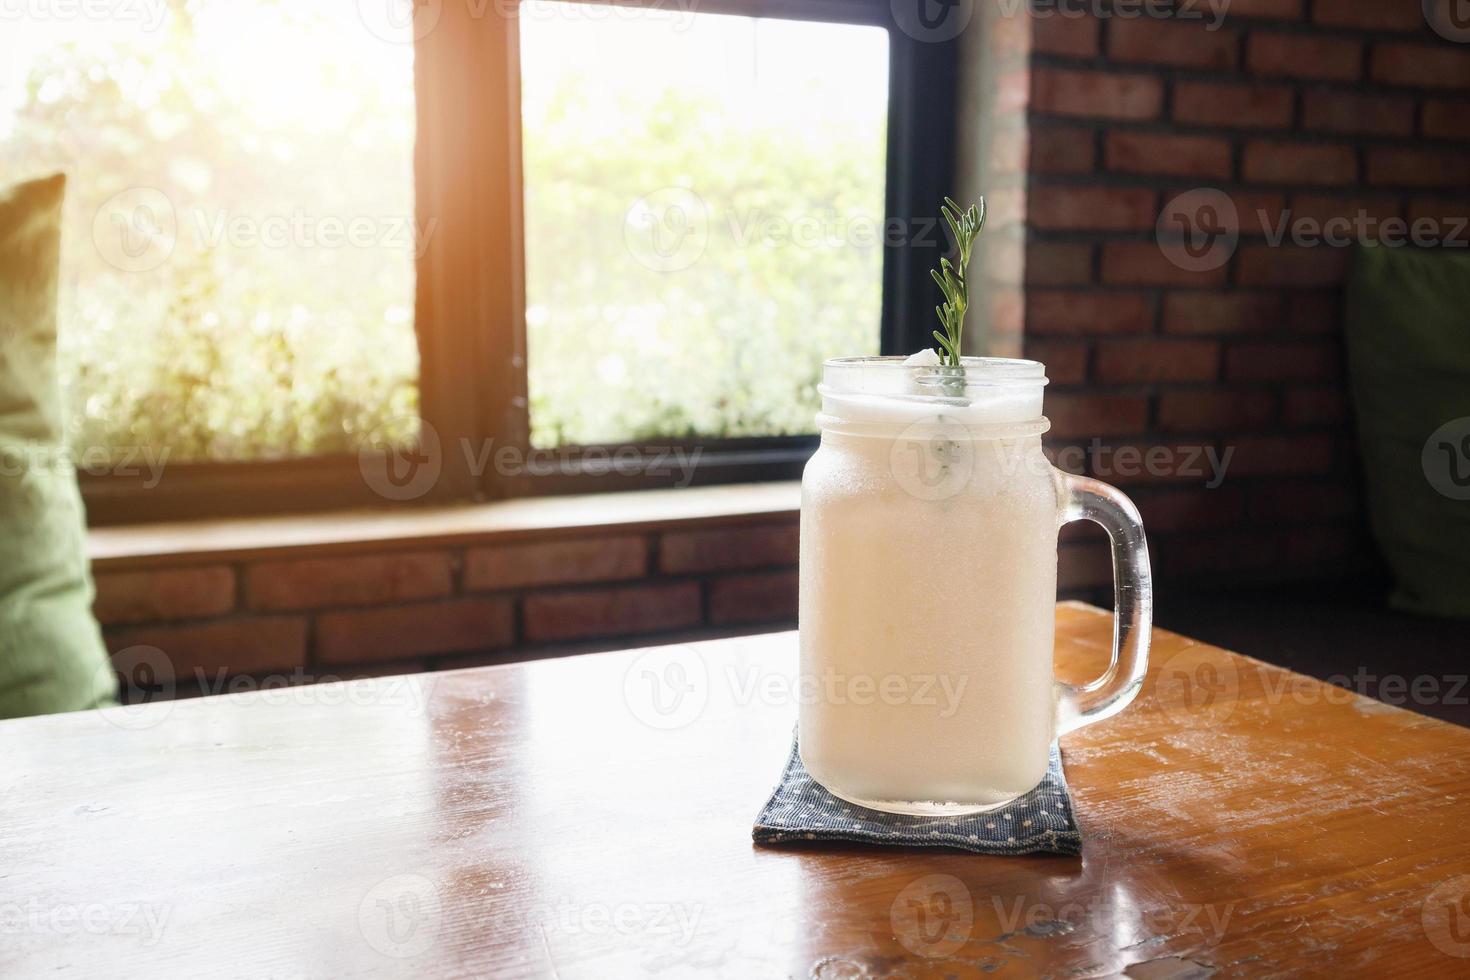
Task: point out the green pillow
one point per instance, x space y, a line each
51 653
1408 339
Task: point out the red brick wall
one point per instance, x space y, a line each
203 622
326 613
222 622
1316 107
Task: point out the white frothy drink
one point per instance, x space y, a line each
929 522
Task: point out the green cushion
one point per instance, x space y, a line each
1408 338
51 653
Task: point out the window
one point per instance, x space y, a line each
704 201
294 231
240 235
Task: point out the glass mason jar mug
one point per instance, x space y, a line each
929 520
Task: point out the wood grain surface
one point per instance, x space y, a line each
590 817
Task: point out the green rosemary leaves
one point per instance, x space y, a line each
965 226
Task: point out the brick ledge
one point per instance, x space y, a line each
203 541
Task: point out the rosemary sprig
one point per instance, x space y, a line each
965 226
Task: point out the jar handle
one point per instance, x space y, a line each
1133 602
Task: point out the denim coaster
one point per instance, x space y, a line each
801 809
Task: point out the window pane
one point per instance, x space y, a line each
704 201
239 240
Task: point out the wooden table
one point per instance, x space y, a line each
552 819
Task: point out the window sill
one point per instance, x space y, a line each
347 532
